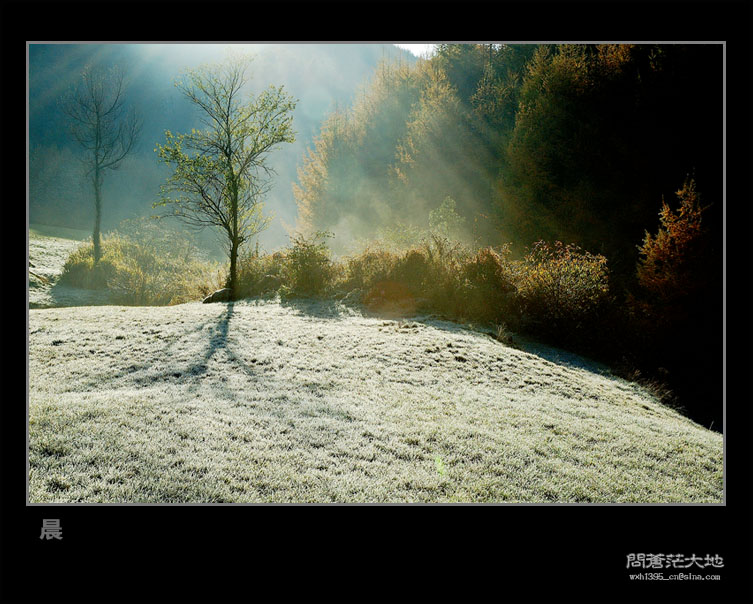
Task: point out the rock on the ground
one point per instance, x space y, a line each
221 295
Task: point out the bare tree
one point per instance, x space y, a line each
221 171
105 129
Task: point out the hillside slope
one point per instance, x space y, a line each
313 402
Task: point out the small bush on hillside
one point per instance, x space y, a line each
364 270
79 269
143 265
412 270
438 276
308 269
399 284
417 278
489 286
445 283
561 289
260 274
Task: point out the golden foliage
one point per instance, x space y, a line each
669 258
562 284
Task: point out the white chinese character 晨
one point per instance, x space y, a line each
51 529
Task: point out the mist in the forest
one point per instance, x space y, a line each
321 77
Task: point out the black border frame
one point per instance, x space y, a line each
379 553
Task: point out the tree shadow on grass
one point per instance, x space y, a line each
168 366
218 342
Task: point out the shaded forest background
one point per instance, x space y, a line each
572 142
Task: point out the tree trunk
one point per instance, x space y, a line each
235 238
97 216
233 266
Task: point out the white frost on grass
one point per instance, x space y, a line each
312 402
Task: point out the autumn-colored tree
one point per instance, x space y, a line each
439 156
328 176
678 308
672 262
677 273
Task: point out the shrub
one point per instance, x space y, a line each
396 281
418 278
260 274
308 269
441 282
142 265
439 276
412 270
489 286
79 269
368 268
561 289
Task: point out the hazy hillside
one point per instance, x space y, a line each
321 76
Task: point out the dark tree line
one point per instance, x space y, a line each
577 142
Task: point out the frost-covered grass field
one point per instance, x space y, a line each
260 401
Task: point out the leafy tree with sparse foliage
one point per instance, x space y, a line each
221 171
105 129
